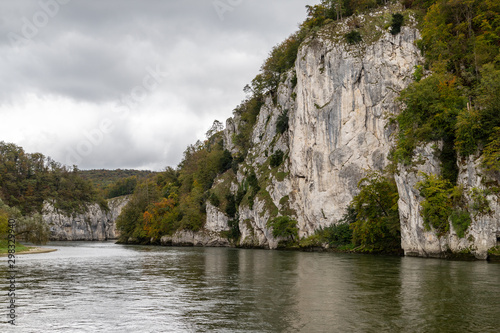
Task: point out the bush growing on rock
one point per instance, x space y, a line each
353 37
285 227
276 159
397 22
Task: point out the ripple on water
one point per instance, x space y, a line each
103 287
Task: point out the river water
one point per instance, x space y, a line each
104 287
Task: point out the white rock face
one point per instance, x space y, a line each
190 238
217 221
484 231
94 225
338 129
254 231
416 241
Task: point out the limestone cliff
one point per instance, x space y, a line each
96 224
337 98
339 128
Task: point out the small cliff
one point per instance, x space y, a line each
96 224
484 230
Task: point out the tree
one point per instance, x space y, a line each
377 226
437 203
161 218
282 123
32 229
285 227
397 22
216 127
276 159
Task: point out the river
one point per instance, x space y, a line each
104 287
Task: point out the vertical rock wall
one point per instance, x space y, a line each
96 224
338 129
484 230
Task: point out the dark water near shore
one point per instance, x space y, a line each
103 287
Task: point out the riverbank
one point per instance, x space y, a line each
305 246
34 249
22 249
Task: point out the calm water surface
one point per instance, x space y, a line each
103 287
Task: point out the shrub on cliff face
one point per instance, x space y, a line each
276 159
397 22
284 226
437 205
282 123
353 37
460 219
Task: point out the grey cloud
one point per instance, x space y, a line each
97 51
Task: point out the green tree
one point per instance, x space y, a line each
282 123
285 227
397 22
276 159
377 226
431 107
437 204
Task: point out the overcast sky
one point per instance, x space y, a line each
129 83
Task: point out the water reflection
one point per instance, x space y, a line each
103 287
459 296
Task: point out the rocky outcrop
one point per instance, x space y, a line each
96 224
484 230
212 233
190 238
415 240
217 221
337 98
339 128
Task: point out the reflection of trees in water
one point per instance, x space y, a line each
450 296
278 291
253 288
376 290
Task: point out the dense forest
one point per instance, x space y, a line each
28 180
115 183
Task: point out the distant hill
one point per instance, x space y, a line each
113 183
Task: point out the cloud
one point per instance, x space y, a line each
63 81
